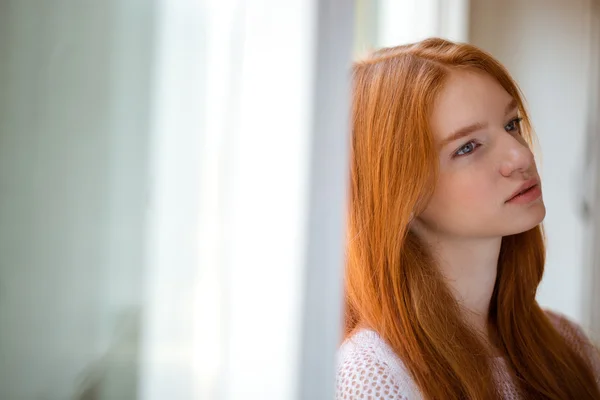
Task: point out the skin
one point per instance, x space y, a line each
467 216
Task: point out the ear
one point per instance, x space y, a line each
415 224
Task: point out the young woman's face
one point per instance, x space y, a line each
484 162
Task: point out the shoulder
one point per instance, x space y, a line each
577 339
571 331
367 365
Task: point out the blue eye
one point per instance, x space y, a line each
514 125
466 149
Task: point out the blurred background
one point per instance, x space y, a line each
172 181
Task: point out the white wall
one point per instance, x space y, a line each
73 109
546 46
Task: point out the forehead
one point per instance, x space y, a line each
467 97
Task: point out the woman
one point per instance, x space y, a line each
445 248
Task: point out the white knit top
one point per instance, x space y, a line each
369 369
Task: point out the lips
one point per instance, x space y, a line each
523 188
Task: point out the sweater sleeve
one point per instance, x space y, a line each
369 371
575 336
366 377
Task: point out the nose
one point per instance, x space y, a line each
516 157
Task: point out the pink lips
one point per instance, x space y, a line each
529 191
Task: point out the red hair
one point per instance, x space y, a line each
393 285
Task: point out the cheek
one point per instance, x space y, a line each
464 192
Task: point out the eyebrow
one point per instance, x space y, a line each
467 130
510 107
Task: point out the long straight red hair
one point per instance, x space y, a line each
392 284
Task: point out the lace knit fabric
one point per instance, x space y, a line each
369 369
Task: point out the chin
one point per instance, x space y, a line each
528 219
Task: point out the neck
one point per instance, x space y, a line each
469 266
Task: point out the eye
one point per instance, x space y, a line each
467 148
514 126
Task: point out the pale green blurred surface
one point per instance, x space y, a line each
73 146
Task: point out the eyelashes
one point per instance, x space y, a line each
514 126
466 148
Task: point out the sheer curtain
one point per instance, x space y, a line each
249 157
